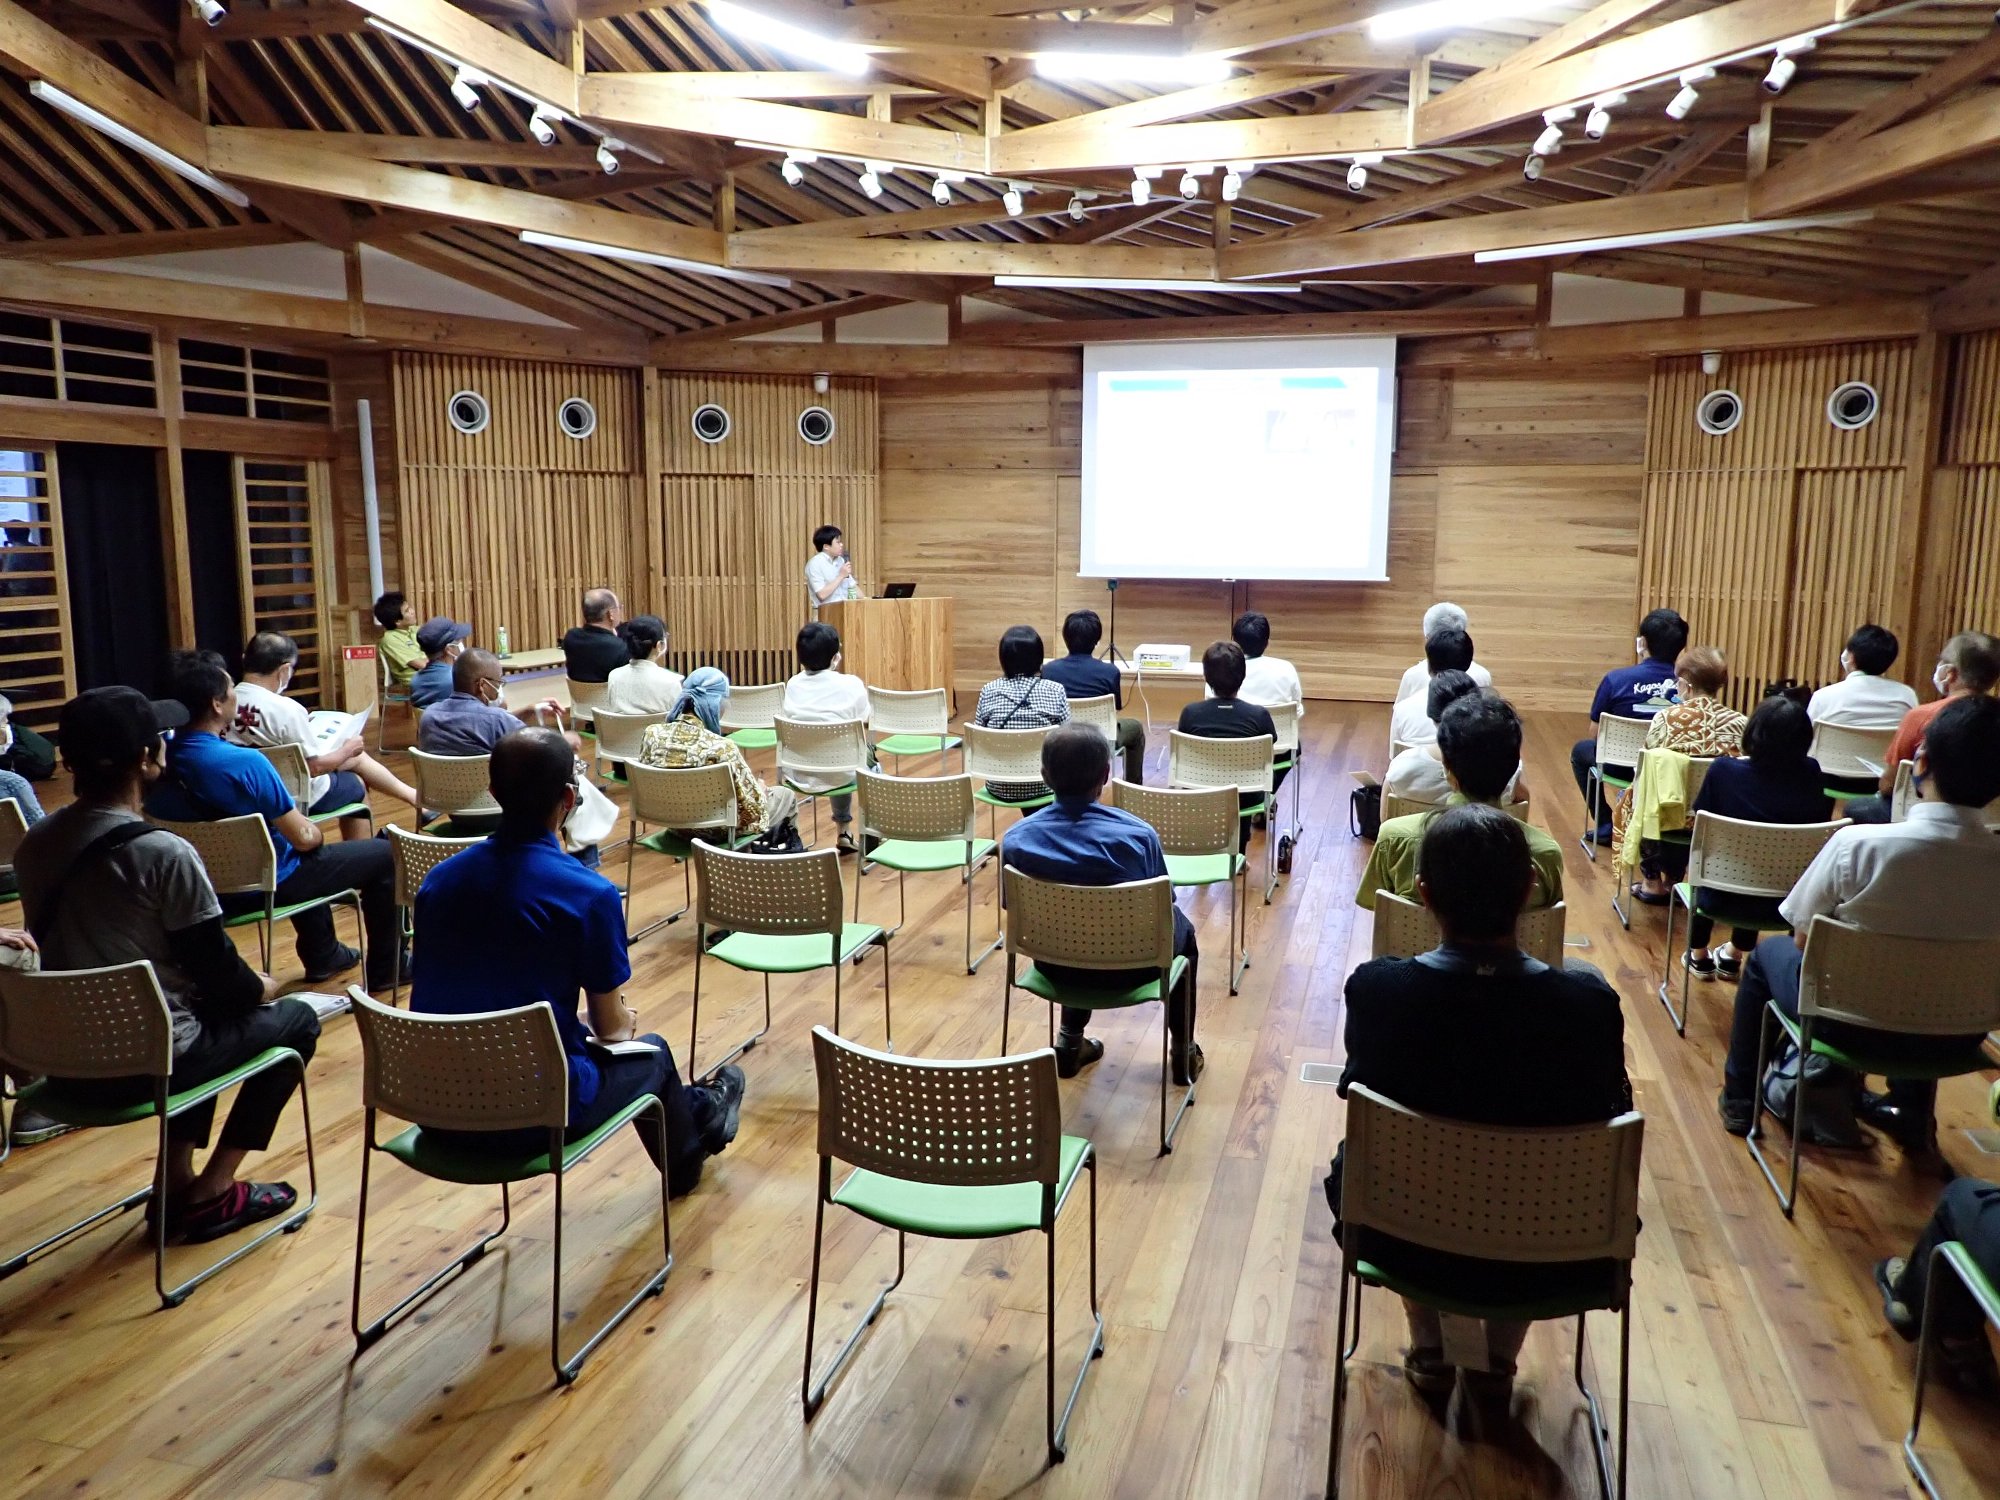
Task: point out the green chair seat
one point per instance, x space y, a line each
1252 809
1729 913
754 739
1839 794
1084 997
452 1162
917 744
769 953
914 856
1949 1061
280 913
1202 869
846 790
679 846
1591 1294
353 809
982 795
1620 782
50 1097
956 1213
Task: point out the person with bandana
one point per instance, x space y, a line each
692 736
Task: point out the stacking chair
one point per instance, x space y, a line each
1403 807
1128 926
1905 796
289 761
917 723
749 714
1620 742
1912 986
1285 755
1762 861
114 1023
1697 772
783 916
681 801
839 748
13 828
584 701
952 1151
1005 755
387 696
493 1070
457 785
1850 754
1246 765
238 856
1101 711
417 854
1403 929
1198 829
1526 1196
619 737
924 823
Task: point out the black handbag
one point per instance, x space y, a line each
1364 811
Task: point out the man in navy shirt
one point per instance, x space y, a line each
1077 840
1082 675
515 921
442 641
1635 692
207 779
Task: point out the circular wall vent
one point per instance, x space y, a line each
468 412
577 418
711 422
1854 404
1718 412
816 426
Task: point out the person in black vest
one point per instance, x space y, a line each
593 650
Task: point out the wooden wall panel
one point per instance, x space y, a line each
35 642
524 398
282 562
1784 423
1843 573
1974 426
1963 555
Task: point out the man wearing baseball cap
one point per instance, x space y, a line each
442 641
102 886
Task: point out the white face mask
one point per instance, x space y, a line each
1939 681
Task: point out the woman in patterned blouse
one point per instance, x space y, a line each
1700 726
693 737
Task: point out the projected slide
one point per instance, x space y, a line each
1237 459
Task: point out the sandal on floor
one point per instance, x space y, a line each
240 1204
1647 898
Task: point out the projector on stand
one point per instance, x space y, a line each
1162 658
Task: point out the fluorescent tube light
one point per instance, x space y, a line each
647 258
1444 15
795 41
1138 284
1670 236
1129 67
103 124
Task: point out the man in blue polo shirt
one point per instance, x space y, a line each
1077 840
1082 675
207 779
442 640
515 921
1635 692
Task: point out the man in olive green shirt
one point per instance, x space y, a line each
1480 740
398 619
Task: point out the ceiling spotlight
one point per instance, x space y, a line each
607 155
791 170
1232 180
1142 190
541 125
465 87
1597 124
1076 208
207 11
869 180
1785 64
1357 172
941 193
1533 167
1690 94
1012 200
1550 141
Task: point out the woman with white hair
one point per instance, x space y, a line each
1440 616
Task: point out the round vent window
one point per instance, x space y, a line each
577 418
1853 405
1718 412
468 412
711 423
816 426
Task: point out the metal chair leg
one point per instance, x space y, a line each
972 961
1667 967
1343 1350
1593 809
1787 1197
366 1335
1059 1430
815 1393
566 1370
1947 1256
1600 1432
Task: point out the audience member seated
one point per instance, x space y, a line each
514 921
820 693
443 642
1636 692
1969 1212
1225 714
1438 617
342 774
1449 650
102 886
1417 774
1932 876
1021 698
1967 667
643 685
207 779
1776 780
592 651
1078 840
399 648
1478 1031
1865 697
1268 680
692 736
1698 724
1480 740
1082 675
23 751
475 717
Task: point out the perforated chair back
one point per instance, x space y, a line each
585 698
618 735
1925 986
1189 820
918 808
417 854
13 828
925 711
839 748
1193 760
1124 926
1004 755
752 707
983 1123
86 1023
1620 740
454 783
490 1070
1403 807
236 852
683 797
289 761
1101 711
1841 749
1753 859
1695 775
1904 797
1510 1193
785 895
1288 717
1403 929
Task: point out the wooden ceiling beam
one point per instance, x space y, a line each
793 85
151 242
779 322
804 257
1182 104
488 49
1973 304
948 73
1689 155
1073 146
430 150
911 221
883 361
1950 133
1961 69
474 271
35 49
1586 30
1248 25
1877 318
294 21
986 36
1428 322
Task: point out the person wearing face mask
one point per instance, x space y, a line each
475 717
1866 697
1967 667
342 774
443 642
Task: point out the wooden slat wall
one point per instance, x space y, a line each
37 657
282 557
1964 532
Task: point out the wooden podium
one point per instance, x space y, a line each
901 644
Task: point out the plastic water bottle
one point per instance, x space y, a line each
502 636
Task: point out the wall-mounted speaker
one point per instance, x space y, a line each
468 412
710 422
1718 412
816 426
577 418
1853 404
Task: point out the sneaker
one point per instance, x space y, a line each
1073 1057
1889 1281
845 843
380 977
1729 961
1428 1372
1701 968
725 1086
242 1204
1188 1063
339 961
30 1127
1737 1114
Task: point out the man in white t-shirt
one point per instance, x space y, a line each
1445 650
1437 618
830 574
1268 681
342 774
1865 698
820 693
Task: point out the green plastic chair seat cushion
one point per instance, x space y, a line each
809 791
680 846
1735 909
917 744
982 795
784 953
1085 997
1949 1059
53 1099
279 913
754 739
1614 780
1594 1291
449 1161
352 810
1845 794
919 855
1202 869
946 1212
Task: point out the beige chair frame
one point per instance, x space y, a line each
925 810
1904 797
585 698
387 697
837 747
924 712
1198 821
1843 750
1620 741
454 784
1008 755
1195 761
240 859
290 762
1403 929
1100 711
682 799
417 854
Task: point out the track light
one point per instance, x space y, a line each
1533 167
1076 208
1142 184
607 156
1191 176
207 11
791 171
465 86
1550 141
1785 64
941 193
1597 124
1012 200
869 180
541 125
1232 180
1690 94
1357 172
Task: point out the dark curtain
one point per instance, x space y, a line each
117 573
211 516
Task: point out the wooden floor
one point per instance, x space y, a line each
1761 1365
